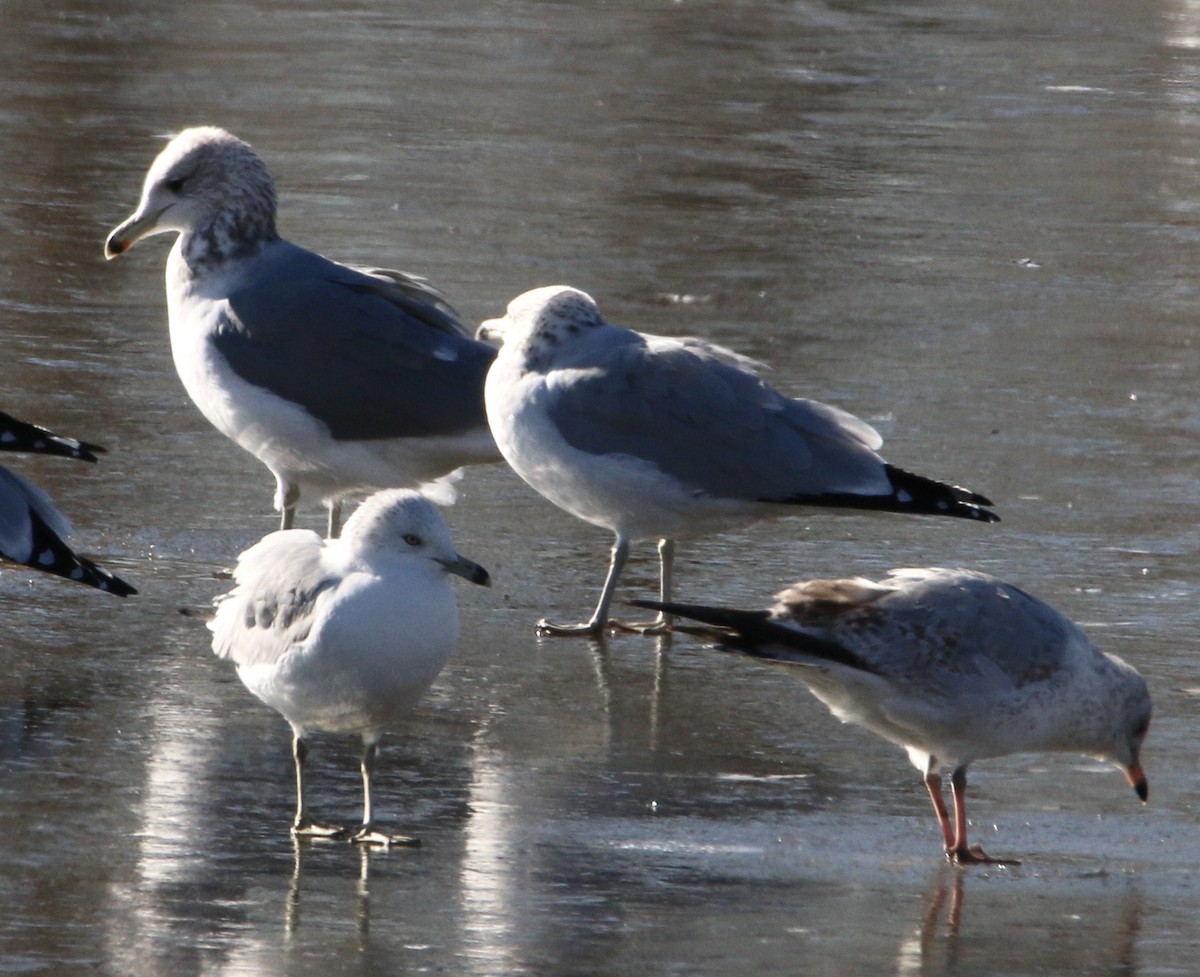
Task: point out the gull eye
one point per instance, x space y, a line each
412 539
175 185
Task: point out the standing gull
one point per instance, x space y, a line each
952 665
32 530
339 380
344 635
659 438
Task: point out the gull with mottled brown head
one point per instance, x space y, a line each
340 380
954 666
345 635
652 437
33 531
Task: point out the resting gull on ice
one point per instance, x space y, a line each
344 635
952 665
659 438
340 380
32 530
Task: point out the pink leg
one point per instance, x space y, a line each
933 784
961 853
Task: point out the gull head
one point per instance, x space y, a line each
1131 722
404 522
209 186
542 320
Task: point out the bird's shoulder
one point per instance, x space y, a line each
280 585
285 285
632 377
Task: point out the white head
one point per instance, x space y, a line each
209 185
403 521
542 320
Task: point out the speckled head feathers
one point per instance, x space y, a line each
544 319
209 186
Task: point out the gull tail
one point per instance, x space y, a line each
910 493
757 634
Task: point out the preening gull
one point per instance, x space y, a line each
952 665
32 530
344 635
660 438
340 380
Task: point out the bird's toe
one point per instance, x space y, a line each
370 835
975 855
313 829
587 629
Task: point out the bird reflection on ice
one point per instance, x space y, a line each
914 955
362 888
959 932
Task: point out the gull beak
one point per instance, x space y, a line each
468 570
491 331
125 235
1137 780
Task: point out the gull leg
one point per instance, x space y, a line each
666 573
599 619
962 854
367 834
286 497
303 825
933 784
334 527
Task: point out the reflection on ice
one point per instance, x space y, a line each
492 870
970 921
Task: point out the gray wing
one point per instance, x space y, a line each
704 416
282 586
19 502
948 632
372 355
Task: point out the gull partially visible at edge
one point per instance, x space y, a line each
33 531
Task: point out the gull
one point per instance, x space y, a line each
652 437
340 380
345 635
954 666
32 530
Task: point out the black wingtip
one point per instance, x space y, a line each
86 451
17 435
911 493
721 617
51 555
756 634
